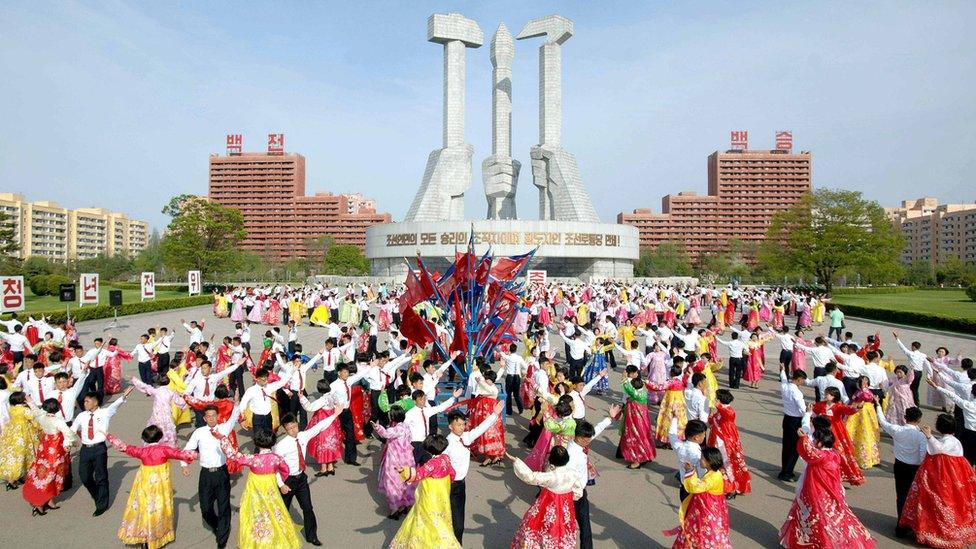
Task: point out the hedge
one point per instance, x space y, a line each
925 320
971 292
105 311
875 290
47 284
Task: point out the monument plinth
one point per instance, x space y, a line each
570 239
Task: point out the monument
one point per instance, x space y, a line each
571 240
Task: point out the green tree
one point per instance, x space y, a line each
919 273
9 245
345 260
150 259
668 259
830 232
952 271
317 247
203 235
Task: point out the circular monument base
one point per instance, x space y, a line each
566 248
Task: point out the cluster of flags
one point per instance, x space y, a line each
478 297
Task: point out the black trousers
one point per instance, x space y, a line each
375 413
914 386
611 359
371 347
162 361
94 382
458 499
682 493
576 366
818 372
736 366
785 357
18 357
296 409
298 485
582 506
93 472
69 479
291 347
432 420
329 375
850 385
214 488
838 329
395 319
348 436
145 373
904 476
512 385
790 438
261 422
236 383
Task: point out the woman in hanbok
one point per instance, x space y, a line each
397 454
113 367
256 315
348 312
359 407
326 447
831 408
18 441
863 427
942 358
163 400
149 518
820 516
724 435
598 363
220 305
222 360
899 397
941 504
799 359
704 516
521 323
655 362
693 318
818 310
556 431
756 363
636 444
550 523
297 310
778 315
803 319
45 478
272 314
176 375
46 347
428 524
545 316
237 310
708 367
265 522
765 312
225 409
490 445
674 402
320 314
384 317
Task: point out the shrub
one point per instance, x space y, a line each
105 311
47 284
971 292
912 318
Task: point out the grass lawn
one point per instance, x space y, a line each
949 303
51 303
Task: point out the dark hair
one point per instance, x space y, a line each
558 456
724 396
162 379
221 391
17 397
396 414
902 368
417 394
436 444
871 355
51 405
3 383
94 396
210 408
288 418
490 375
833 392
323 386
945 424
563 408
59 376
825 437
401 391
830 367
820 423
264 439
261 373
913 414
713 456
414 378
694 428
697 378
584 429
455 415
152 434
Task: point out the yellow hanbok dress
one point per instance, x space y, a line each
711 383
18 444
181 416
265 522
320 316
865 433
817 315
583 314
428 524
296 311
220 306
626 334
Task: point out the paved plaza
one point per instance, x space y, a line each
629 508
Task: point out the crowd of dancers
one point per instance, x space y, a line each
360 378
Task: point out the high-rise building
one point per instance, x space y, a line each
933 232
45 229
269 190
745 189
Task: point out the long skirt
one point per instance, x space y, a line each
492 443
399 494
45 478
636 444
596 365
549 524
704 523
941 504
18 447
865 433
237 311
325 447
539 456
673 400
428 524
148 517
265 522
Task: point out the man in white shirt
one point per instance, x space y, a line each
688 450
418 419
737 363
330 359
66 395
292 335
214 483
143 354
515 368
297 383
204 382
851 365
19 345
292 448
580 390
579 462
877 375
824 380
34 381
341 390
794 408
909 447
257 398
92 424
916 358
458 441
577 348
163 345
195 329
97 357
695 401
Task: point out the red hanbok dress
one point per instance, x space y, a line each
636 442
838 414
492 443
550 523
32 335
704 515
724 435
820 517
756 363
359 405
113 370
45 478
941 504
327 446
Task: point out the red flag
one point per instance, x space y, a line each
484 267
460 341
418 289
506 268
412 327
461 267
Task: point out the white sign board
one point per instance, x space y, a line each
193 282
535 278
88 289
148 286
13 297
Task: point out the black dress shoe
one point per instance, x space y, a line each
315 542
356 463
99 512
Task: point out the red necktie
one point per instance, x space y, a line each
91 426
264 396
426 420
348 391
301 457
301 381
40 389
61 406
206 386
330 359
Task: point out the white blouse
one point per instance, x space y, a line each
560 480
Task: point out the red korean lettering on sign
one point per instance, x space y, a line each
193 282
235 142
148 285
89 289
276 143
784 140
740 140
13 293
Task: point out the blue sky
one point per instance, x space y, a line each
118 105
